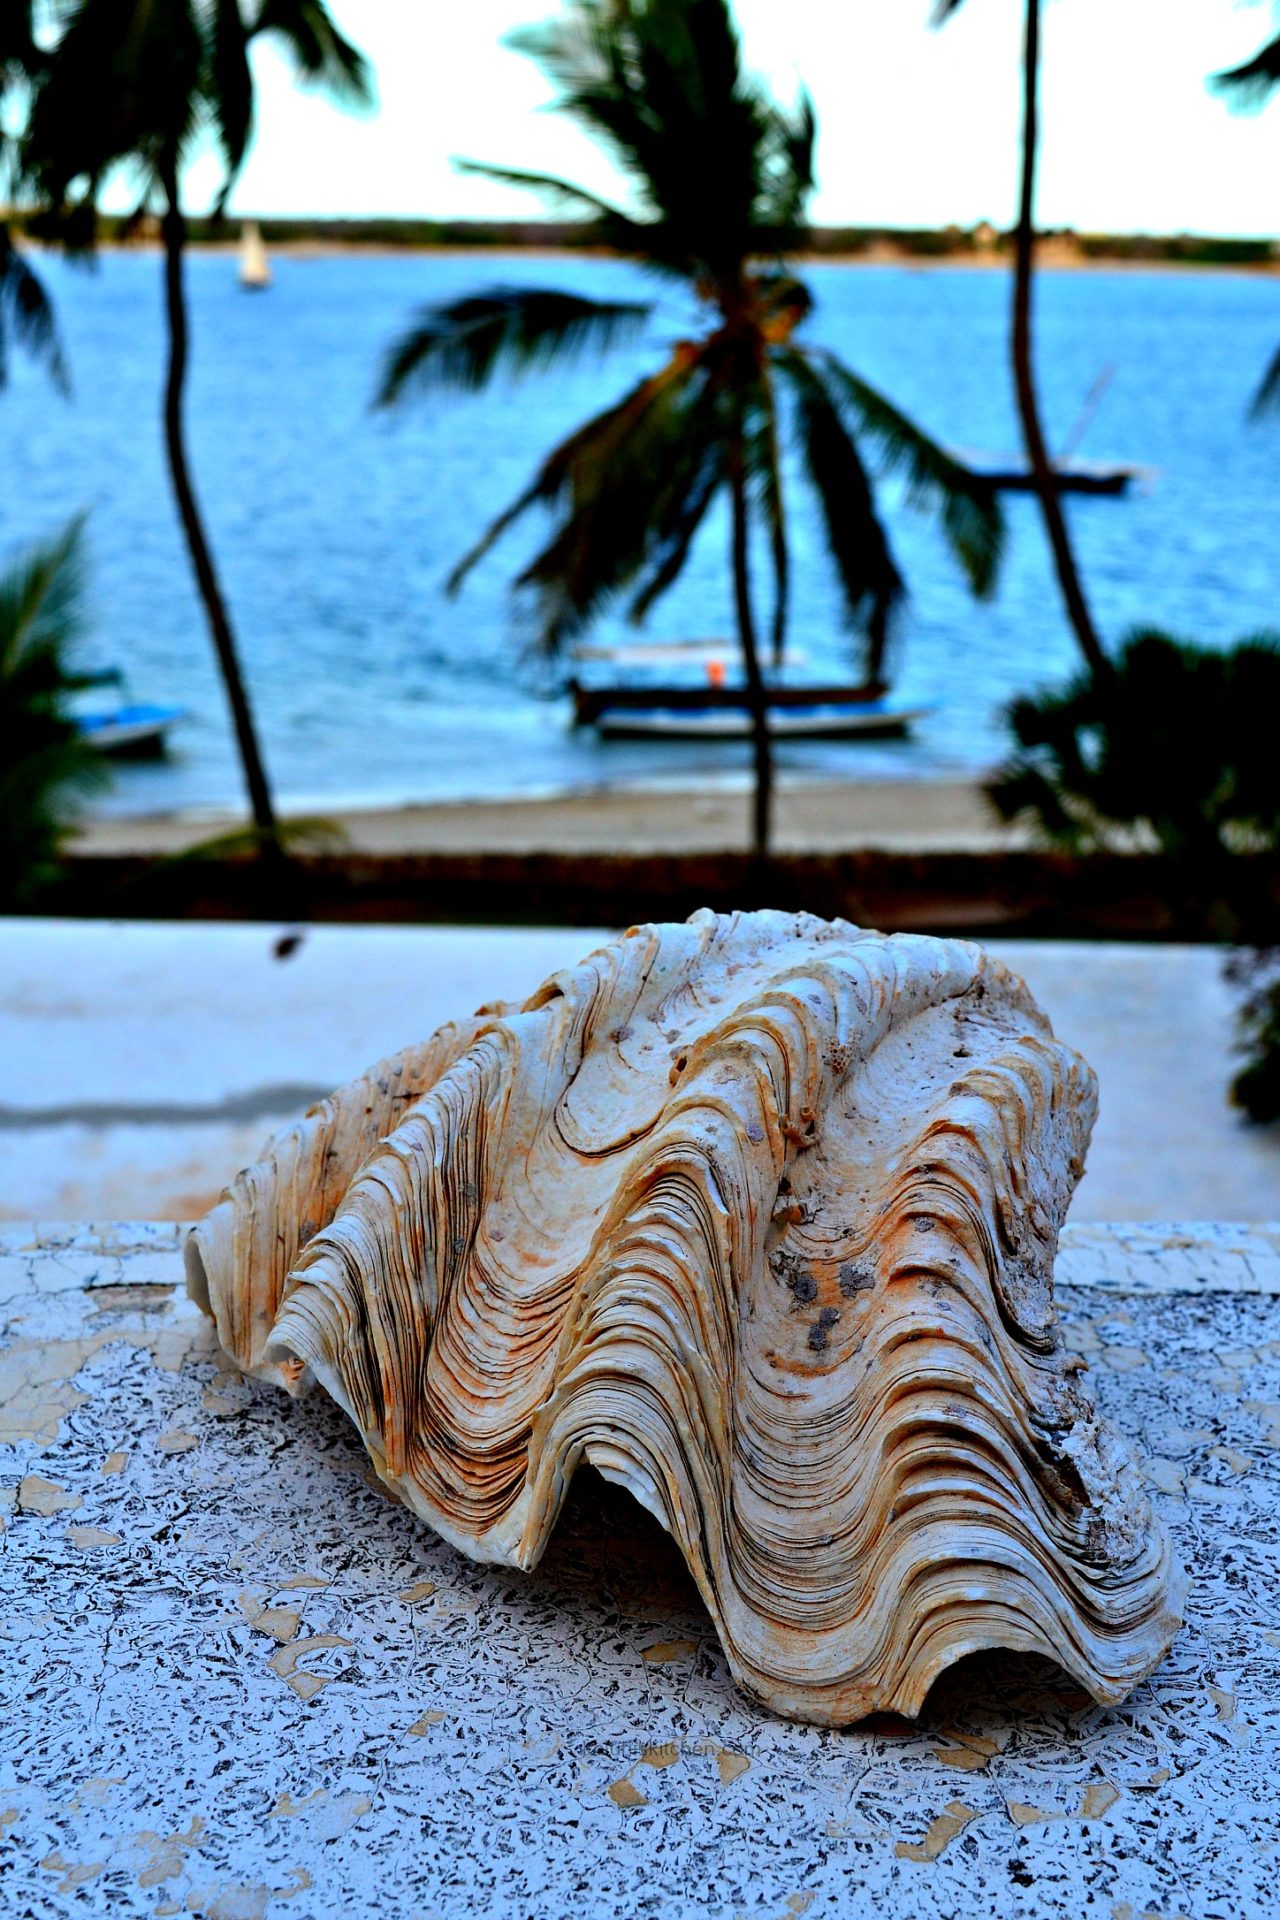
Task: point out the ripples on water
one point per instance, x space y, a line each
333 527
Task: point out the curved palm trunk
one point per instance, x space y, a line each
762 801
174 232
1028 409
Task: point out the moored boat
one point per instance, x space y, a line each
1010 474
683 690
129 728
255 268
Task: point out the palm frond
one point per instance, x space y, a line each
321 55
661 85
624 504
679 525
463 343
552 478
764 469
230 86
44 763
548 183
1267 398
18 48
26 315
1249 86
967 504
787 175
870 582
125 82
629 489
42 602
696 469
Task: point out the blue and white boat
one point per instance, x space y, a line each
126 727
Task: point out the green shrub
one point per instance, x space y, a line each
1173 750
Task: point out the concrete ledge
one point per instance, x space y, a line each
951 891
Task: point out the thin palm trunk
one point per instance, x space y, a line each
174 230
762 800
1041 474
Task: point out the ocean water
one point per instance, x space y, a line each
334 526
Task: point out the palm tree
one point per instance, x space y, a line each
137 82
1042 477
720 176
26 314
1248 87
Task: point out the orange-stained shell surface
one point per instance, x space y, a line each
758 1215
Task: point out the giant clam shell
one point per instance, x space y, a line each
757 1215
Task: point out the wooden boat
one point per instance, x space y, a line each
643 698
1013 475
813 719
255 268
131 728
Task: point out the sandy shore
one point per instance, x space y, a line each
908 816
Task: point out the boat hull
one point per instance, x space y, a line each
1109 481
828 722
139 732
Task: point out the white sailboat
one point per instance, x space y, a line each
255 269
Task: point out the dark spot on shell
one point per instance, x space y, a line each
803 1285
828 1316
924 1223
620 1034
755 1132
854 1279
817 1338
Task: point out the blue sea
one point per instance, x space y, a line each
334 526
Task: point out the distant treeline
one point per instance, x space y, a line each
1061 245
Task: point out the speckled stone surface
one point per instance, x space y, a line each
238 1682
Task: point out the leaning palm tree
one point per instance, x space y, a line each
26 313
136 82
720 177
1042 477
1249 87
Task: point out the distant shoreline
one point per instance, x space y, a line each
1047 261
982 247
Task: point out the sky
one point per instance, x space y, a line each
916 127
